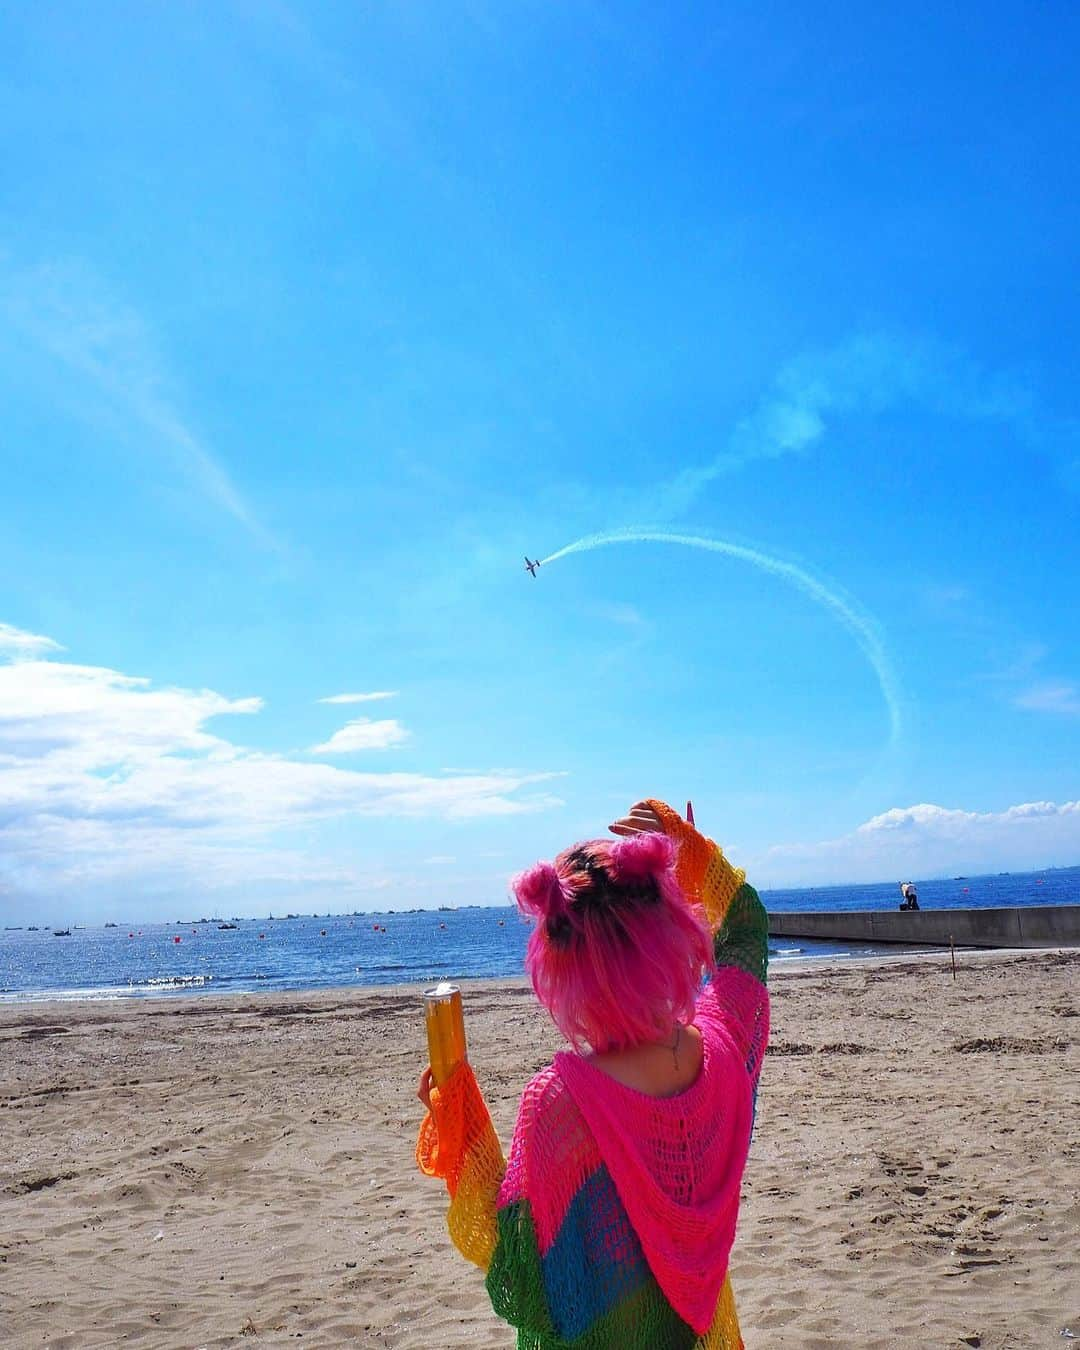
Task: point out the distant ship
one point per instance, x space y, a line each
61 932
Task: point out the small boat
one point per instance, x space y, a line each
222 927
61 932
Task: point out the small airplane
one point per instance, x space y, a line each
531 567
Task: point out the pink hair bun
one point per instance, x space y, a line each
641 857
540 892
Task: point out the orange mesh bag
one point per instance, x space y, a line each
457 1142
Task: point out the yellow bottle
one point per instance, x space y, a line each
445 1030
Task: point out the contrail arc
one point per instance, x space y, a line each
859 623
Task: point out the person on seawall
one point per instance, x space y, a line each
910 899
611 1223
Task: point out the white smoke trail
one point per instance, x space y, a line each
862 625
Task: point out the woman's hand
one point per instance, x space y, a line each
423 1091
642 819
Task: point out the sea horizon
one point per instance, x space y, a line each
220 916
293 951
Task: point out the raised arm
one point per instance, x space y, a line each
736 996
739 922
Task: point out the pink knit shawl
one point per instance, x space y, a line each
677 1163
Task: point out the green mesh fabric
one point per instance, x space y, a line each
742 939
643 1321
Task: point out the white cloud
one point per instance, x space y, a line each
948 601
17 642
104 346
1051 697
360 698
110 783
623 616
1024 665
929 840
364 734
869 373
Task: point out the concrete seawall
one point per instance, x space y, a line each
1025 926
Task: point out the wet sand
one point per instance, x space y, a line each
214 1172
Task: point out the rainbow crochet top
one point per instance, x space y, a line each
611 1224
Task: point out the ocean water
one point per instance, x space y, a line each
140 960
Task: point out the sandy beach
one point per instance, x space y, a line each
216 1172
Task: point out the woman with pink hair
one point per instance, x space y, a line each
611 1224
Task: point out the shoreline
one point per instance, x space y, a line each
779 969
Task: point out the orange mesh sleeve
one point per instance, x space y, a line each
705 875
458 1143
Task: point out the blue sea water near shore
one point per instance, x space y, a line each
306 952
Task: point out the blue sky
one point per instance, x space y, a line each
314 321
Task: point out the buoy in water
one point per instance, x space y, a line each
177 938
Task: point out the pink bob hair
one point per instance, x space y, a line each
618 952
